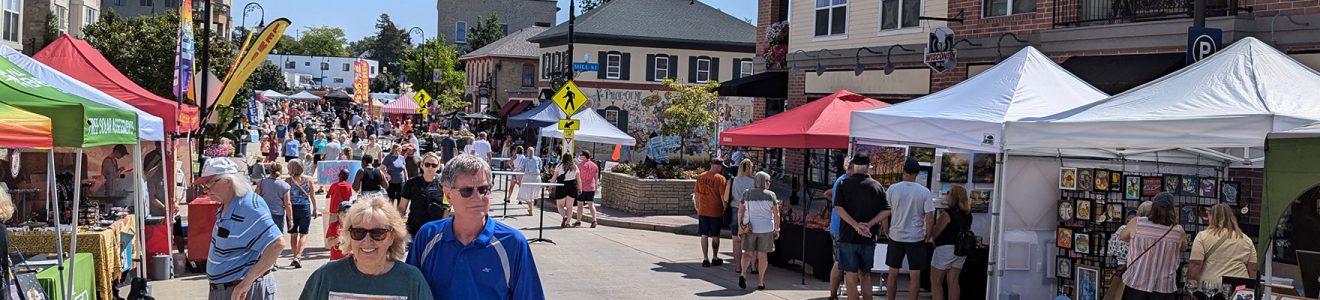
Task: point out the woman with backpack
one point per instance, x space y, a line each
946 263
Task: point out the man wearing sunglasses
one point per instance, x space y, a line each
244 242
471 255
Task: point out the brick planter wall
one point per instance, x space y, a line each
647 196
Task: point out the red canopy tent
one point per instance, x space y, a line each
820 124
82 62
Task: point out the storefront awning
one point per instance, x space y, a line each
773 84
1115 74
514 107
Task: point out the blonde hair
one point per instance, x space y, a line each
6 204
1223 222
379 209
296 168
275 169
958 198
746 168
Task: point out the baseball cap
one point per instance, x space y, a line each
911 166
861 160
215 167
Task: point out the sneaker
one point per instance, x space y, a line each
577 224
742 282
593 224
705 263
762 287
717 262
295 264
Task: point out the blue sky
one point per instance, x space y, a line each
358 17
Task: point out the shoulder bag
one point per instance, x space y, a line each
1116 285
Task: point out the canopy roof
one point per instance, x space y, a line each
150 127
304 95
544 114
1308 131
1232 99
273 94
816 125
79 60
23 129
971 114
81 122
595 129
403 105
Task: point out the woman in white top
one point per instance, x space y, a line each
566 174
530 166
760 211
741 183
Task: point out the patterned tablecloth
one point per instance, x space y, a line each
103 245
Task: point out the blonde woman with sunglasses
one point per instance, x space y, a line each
376 244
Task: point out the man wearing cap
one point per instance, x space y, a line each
244 242
861 204
712 196
909 229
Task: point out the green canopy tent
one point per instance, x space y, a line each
76 122
1291 206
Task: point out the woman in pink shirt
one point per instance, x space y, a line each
1155 246
587 174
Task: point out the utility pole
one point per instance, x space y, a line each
202 106
1198 13
572 19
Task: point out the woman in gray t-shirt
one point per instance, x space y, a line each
276 193
741 183
373 235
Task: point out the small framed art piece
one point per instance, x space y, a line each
1065 238
983 168
1189 186
1115 181
954 167
1101 180
1131 187
1115 212
1229 191
1151 185
1083 210
1063 267
1085 179
1171 184
1088 282
1068 178
1066 210
1209 187
1082 243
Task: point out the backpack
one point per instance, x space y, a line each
965 244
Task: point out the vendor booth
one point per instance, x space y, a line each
815 125
958 133
273 95
1291 211
304 96
595 129
400 108
1198 121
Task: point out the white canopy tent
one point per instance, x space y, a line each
970 116
304 95
150 128
594 129
272 94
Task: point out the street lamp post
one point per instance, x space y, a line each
250 7
420 33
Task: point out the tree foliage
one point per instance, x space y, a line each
388 44
487 31
691 107
361 46
434 54
140 47
267 77
588 5
322 41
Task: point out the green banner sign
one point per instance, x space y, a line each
76 122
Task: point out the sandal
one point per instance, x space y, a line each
593 224
577 224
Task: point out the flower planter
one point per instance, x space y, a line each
647 196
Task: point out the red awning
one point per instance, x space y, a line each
514 107
79 60
820 124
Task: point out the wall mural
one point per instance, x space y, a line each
643 112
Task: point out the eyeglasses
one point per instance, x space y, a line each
467 191
431 165
377 234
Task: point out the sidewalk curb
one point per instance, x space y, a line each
688 230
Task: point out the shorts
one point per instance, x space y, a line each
944 258
586 197
569 189
915 253
279 221
302 219
759 242
733 226
855 258
708 226
394 192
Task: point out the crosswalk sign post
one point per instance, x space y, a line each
567 125
422 98
569 98
421 111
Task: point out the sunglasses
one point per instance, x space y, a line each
467 191
431 165
377 234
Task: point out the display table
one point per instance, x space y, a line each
83 274
108 258
820 249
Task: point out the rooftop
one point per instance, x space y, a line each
678 21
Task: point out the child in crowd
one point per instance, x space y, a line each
339 192
332 233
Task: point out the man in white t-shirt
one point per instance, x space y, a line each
909 229
482 147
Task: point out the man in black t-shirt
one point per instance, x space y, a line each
861 205
447 146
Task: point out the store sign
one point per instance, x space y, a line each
940 54
1202 42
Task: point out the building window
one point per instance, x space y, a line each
90 17
147 2
121 2
896 14
995 8
348 67
831 17
744 68
528 75
290 64
62 17
339 80
460 32
703 70
307 63
613 66
13 8
373 70
505 28
661 67
325 66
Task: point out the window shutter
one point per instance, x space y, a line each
737 69
715 69
625 66
692 69
545 65
604 64
673 67
623 120
650 67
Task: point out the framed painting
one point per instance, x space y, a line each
1085 178
1171 184
1068 178
1116 181
1083 209
1189 186
1065 238
1088 282
980 199
923 155
1066 210
1209 187
983 168
954 167
1151 185
1229 191
1082 243
1189 215
1101 180
1063 267
1131 187
1115 212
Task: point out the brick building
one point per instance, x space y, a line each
221 13
70 17
504 73
456 17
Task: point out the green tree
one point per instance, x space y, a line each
434 54
323 41
362 46
691 107
487 31
588 5
288 45
267 77
140 47
389 44
52 30
385 82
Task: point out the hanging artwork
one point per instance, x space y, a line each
1189 215
1150 185
983 167
1131 187
1088 283
1228 192
1065 240
1063 267
1083 210
1101 180
1115 212
1171 184
1115 181
954 167
1189 186
1204 214
1082 243
1066 211
980 199
1068 178
923 155
1084 180
886 161
1208 187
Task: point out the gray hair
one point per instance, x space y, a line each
242 185
296 167
762 181
1143 210
463 165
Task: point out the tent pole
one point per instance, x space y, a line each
169 228
73 220
54 201
806 205
139 183
996 226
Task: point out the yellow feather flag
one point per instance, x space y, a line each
249 59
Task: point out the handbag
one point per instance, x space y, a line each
1116 285
965 244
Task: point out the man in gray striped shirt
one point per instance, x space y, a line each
244 242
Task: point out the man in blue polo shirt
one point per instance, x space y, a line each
471 255
244 242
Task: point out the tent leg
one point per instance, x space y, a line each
996 227
166 173
806 204
73 228
139 192
54 207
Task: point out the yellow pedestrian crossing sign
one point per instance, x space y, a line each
569 133
421 111
422 98
569 98
570 124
